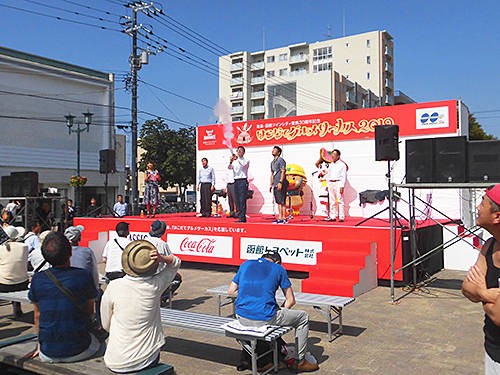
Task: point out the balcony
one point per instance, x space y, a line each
257 95
236 81
236 95
388 51
237 109
257 80
257 65
389 68
236 66
389 83
299 58
257 109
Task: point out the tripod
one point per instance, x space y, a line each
104 208
392 199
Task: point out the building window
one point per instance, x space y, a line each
283 57
368 60
322 53
283 72
368 75
322 67
270 73
368 43
270 59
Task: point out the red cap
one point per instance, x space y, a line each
494 193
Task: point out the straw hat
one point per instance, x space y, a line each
44 234
136 260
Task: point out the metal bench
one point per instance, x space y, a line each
331 307
212 323
21 296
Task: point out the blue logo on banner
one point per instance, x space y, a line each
425 118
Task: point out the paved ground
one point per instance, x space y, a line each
433 330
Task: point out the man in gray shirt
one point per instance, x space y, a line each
279 184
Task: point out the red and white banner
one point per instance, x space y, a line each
204 246
418 119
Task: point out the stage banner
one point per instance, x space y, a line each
291 251
420 119
202 246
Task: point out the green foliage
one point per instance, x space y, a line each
476 132
171 151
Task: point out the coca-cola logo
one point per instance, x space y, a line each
204 245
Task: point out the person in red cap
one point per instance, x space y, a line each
482 281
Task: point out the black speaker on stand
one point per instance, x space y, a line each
450 159
483 161
107 165
419 160
387 142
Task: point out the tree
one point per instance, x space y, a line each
173 153
476 131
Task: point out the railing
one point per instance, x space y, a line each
257 80
257 95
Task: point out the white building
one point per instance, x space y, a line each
36 94
332 75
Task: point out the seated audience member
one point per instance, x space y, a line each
120 207
62 330
7 218
82 257
31 239
13 266
255 285
130 308
112 254
69 213
36 259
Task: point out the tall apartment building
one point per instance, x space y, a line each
338 74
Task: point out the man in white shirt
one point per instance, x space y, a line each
112 254
120 207
206 186
336 177
130 308
31 239
240 165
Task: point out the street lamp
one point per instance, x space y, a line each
70 119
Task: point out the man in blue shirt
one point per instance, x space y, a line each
255 285
61 325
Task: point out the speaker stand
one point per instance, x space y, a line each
105 209
397 216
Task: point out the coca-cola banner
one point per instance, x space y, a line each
203 246
291 251
419 119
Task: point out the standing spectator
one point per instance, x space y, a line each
60 324
255 285
93 210
279 183
112 254
240 165
120 207
151 193
482 281
69 214
130 308
13 266
336 178
206 186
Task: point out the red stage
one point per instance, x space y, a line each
341 258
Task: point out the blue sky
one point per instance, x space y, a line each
444 49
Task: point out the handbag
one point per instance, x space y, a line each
93 324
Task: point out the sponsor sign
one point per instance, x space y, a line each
201 245
432 118
291 251
412 119
133 236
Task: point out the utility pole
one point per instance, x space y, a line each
136 61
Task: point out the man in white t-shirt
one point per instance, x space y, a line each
112 254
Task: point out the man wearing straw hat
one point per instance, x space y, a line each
130 308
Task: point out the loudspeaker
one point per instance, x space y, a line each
386 142
450 159
483 161
107 162
24 184
6 186
427 238
419 160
